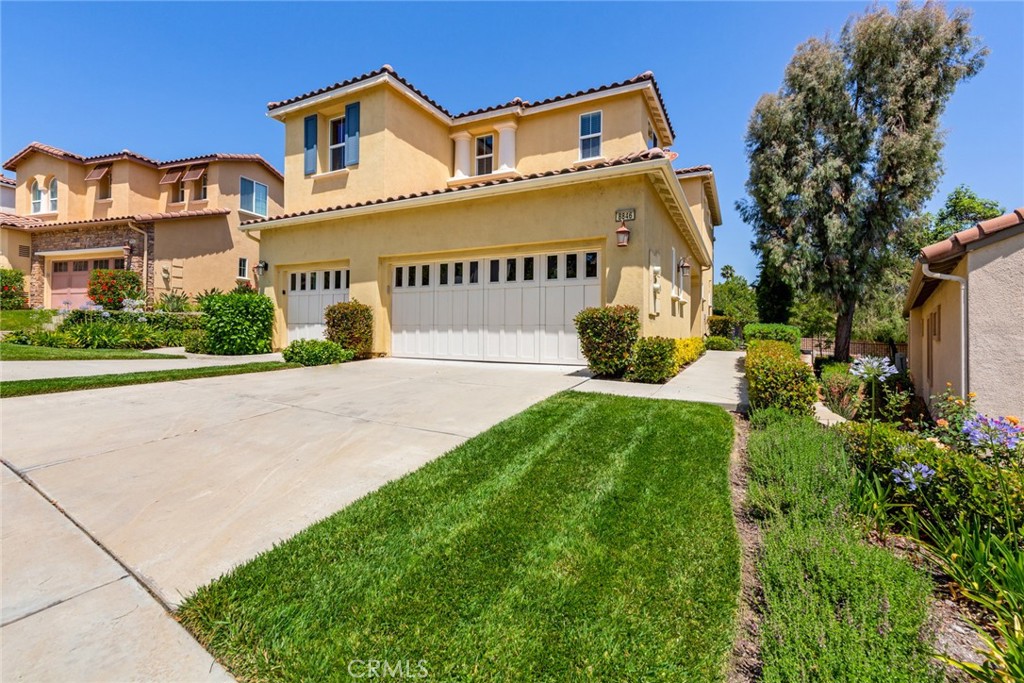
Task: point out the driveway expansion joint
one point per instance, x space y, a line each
62 601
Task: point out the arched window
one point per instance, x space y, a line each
53 195
37 197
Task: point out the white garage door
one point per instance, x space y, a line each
512 308
309 293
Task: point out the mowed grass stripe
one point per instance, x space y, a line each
588 538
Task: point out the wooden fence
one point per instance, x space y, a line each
825 347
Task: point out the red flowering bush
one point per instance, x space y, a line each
109 288
12 289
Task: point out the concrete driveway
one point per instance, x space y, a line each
164 487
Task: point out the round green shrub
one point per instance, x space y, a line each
316 352
715 343
654 360
776 377
350 324
194 341
238 324
722 326
607 335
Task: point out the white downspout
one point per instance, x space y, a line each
927 271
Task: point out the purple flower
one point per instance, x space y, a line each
993 432
913 476
871 368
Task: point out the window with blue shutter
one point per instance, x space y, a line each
310 125
352 134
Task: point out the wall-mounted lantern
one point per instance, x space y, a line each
684 267
260 268
622 235
127 249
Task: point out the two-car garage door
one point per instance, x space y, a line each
511 308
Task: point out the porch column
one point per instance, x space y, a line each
506 146
462 157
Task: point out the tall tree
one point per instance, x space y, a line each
735 298
963 208
844 156
774 295
728 272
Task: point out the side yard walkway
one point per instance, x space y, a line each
717 378
11 371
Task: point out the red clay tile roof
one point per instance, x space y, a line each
4 180
15 221
957 244
128 154
694 169
646 155
525 104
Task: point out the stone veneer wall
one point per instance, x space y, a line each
90 238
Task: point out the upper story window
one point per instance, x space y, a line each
590 135
652 137
104 185
485 154
53 194
179 191
336 149
197 176
37 197
201 188
254 197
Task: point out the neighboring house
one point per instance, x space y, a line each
966 310
481 235
7 194
173 222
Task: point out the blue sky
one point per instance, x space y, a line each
175 79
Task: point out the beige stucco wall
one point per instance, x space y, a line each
577 216
946 349
404 149
996 325
10 240
70 187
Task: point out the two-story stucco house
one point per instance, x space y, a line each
481 235
174 222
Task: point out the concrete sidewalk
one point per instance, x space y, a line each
717 378
71 612
11 371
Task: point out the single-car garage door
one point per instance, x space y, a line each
310 292
510 308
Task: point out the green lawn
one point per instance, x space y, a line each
28 387
23 352
587 538
24 319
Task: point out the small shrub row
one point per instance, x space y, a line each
108 288
835 607
722 326
194 341
688 350
607 337
776 377
238 324
773 332
653 360
159 320
12 290
716 343
316 352
98 335
350 325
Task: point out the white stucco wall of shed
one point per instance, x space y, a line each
996 326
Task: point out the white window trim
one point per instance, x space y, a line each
477 157
252 212
179 192
243 268
203 194
591 136
51 195
331 148
37 204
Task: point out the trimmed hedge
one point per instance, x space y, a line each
607 337
688 350
109 288
773 332
963 484
194 341
350 324
12 290
776 377
722 326
316 352
654 360
238 324
719 344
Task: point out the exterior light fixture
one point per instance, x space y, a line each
622 235
684 267
260 268
127 249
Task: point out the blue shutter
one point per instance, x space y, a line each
310 144
352 134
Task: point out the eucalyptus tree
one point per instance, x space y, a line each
844 156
